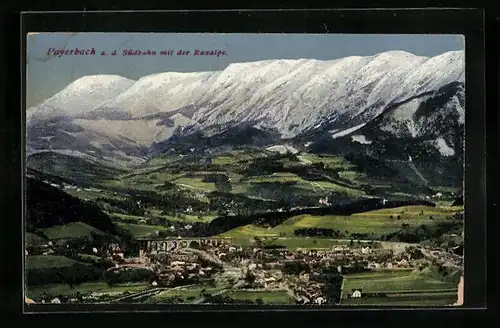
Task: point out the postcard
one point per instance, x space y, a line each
198 168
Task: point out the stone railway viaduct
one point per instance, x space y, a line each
175 244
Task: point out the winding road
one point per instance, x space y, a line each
148 292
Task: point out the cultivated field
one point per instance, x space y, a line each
399 287
70 231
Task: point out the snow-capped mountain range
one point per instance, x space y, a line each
394 92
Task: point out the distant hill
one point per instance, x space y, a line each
225 223
218 136
71 167
48 206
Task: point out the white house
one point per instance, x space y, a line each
94 250
356 294
319 300
154 283
324 201
55 301
365 250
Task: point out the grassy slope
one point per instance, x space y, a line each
48 261
377 222
147 178
403 287
395 281
157 172
268 297
33 240
195 183
70 166
53 290
48 206
70 231
319 186
91 194
141 230
186 294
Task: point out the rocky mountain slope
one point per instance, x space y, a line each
392 104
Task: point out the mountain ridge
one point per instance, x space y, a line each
293 97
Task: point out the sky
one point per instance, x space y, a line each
47 74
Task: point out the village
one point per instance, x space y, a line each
301 273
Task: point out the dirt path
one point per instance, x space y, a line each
417 172
192 187
414 168
315 184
